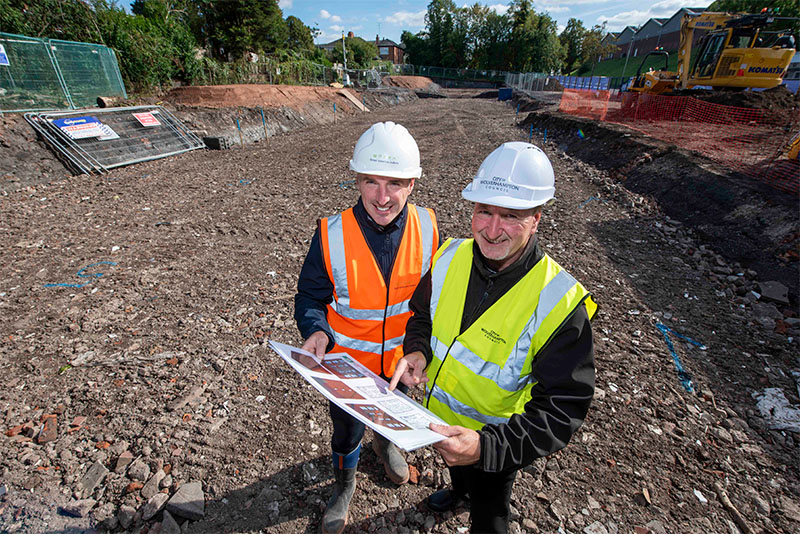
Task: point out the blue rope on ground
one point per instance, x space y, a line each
344 184
82 275
590 199
683 375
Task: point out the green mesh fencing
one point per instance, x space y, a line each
41 74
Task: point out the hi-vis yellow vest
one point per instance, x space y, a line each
483 376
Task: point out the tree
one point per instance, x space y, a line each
417 47
236 28
592 46
492 37
299 35
360 53
782 8
534 43
572 40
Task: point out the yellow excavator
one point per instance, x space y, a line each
736 53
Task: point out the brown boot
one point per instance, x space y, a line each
393 462
335 518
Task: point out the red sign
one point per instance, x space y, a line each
147 119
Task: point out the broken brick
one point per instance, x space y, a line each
49 430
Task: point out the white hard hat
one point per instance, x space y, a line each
386 149
515 175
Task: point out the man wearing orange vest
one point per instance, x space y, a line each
355 284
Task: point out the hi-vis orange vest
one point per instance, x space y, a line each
368 314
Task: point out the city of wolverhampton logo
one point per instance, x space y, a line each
493 336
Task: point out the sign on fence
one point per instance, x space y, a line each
3 56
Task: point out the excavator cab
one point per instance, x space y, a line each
735 56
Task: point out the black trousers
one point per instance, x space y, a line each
489 494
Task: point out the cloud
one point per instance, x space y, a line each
285 4
327 16
407 18
500 9
662 9
337 28
554 9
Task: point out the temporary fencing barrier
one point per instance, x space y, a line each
97 140
751 141
39 74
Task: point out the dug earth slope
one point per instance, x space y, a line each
156 375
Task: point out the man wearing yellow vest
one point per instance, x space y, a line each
355 284
501 337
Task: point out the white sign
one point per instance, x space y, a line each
3 56
85 127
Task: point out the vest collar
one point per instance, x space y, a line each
530 257
364 218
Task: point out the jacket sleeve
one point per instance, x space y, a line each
314 292
564 374
419 327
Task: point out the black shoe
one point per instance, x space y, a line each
445 500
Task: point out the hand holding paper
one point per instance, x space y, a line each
462 446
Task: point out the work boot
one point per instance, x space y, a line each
393 462
445 500
335 517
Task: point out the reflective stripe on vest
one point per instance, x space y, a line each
494 356
367 317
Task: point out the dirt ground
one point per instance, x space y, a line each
117 393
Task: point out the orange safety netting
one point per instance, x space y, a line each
753 142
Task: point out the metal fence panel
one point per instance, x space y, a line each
39 74
96 140
88 71
28 78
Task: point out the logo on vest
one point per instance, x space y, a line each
493 336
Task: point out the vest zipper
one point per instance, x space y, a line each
387 283
478 307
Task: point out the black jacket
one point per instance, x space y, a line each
563 369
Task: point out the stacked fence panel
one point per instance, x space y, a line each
96 140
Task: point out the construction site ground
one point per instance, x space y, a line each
135 309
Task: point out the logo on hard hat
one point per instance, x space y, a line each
384 158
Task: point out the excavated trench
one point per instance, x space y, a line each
745 220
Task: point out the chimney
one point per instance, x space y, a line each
350 35
377 40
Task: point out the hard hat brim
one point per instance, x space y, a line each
503 201
406 174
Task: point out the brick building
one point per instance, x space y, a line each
390 51
655 33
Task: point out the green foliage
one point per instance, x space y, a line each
360 53
477 37
782 8
571 40
299 35
236 28
192 41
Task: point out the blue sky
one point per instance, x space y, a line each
369 18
